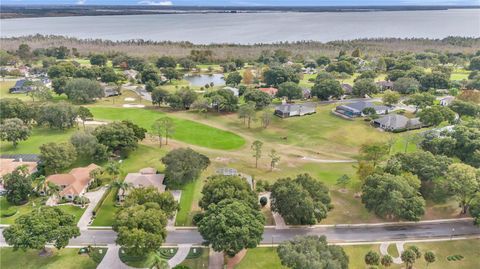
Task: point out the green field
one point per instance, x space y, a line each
60 259
185 130
261 258
460 74
38 137
185 214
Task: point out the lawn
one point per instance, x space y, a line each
60 259
199 262
185 130
185 214
38 137
266 258
32 204
5 86
470 249
261 258
459 74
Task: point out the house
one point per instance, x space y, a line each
397 123
8 164
271 91
234 90
385 85
75 183
353 110
21 86
347 88
290 110
146 177
227 171
110 90
307 93
309 70
130 74
447 100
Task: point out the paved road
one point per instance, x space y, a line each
398 232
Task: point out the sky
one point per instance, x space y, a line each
245 2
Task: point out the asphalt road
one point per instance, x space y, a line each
344 234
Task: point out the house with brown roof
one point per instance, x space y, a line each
75 183
9 163
146 177
271 91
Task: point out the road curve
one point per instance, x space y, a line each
342 234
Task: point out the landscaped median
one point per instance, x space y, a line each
185 130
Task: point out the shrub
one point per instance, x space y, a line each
9 212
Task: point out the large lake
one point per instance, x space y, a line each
248 28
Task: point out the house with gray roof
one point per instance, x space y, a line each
353 110
397 123
21 86
291 110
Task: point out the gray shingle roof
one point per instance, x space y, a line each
361 105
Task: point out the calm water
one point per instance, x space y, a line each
255 27
201 80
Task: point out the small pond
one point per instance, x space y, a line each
201 80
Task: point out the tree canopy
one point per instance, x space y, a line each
219 187
312 252
18 185
183 165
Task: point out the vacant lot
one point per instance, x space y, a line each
185 130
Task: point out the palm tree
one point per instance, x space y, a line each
42 185
160 263
121 185
113 169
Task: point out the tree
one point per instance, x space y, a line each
98 59
39 91
186 63
24 52
14 108
140 228
343 181
201 105
164 126
166 61
159 96
406 85
261 99
341 67
410 256
420 100
84 114
14 130
393 197
218 188
45 225
436 114
429 257
59 115
158 129
435 80
247 112
56 157
137 130
327 88
474 210
171 73
372 258
231 225
474 63
183 165
303 200
278 75
112 169
82 90
18 185
374 152
117 137
463 182
311 252
233 78
257 151
248 76
364 87
85 143
121 185
290 90
223 100
364 170
390 98
182 99
274 159
266 117
151 195
463 108
386 261
58 85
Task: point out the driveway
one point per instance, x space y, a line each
180 256
112 260
94 198
215 260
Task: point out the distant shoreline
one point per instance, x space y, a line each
37 11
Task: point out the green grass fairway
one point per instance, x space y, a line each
185 130
38 137
65 258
